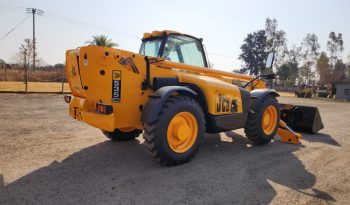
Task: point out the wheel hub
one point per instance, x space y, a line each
182 132
269 120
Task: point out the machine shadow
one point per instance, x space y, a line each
223 172
320 137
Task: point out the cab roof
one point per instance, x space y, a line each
159 33
155 34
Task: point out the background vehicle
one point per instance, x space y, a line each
168 91
305 92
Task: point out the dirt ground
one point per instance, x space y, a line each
48 158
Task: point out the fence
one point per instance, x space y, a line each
37 81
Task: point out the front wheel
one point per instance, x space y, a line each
125 134
174 138
263 120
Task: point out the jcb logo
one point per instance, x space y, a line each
116 75
222 103
116 86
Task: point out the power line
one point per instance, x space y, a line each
12 10
93 27
11 6
86 25
15 27
90 26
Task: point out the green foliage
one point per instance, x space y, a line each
59 66
276 41
101 40
254 53
335 47
310 52
339 71
258 44
284 71
323 69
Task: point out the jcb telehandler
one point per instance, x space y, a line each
168 92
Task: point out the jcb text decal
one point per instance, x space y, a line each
116 85
222 103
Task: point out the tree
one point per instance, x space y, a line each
101 40
339 71
310 51
3 65
25 56
348 69
335 47
284 72
26 53
59 66
276 41
323 70
254 53
294 56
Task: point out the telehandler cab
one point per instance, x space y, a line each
168 92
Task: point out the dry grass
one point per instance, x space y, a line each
49 75
286 94
33 87
56 87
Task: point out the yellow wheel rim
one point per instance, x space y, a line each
269 119
182 132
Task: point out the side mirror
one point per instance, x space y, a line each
269 60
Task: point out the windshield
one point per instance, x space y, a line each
184 49
151 47
177 48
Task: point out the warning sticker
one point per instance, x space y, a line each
116 85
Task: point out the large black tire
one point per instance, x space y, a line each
119 135
156 140
254 129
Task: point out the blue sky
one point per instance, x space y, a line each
222 24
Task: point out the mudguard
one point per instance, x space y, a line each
157 99
260 93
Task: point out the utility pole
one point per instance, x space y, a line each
25 67
38 12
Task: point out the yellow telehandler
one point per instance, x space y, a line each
168 92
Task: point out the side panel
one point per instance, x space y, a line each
73 72
106 77
222 123
222 98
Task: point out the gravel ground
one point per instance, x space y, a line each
48 158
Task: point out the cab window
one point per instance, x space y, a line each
151 48
184 49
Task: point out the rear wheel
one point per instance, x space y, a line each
123 134
174 138
263 120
